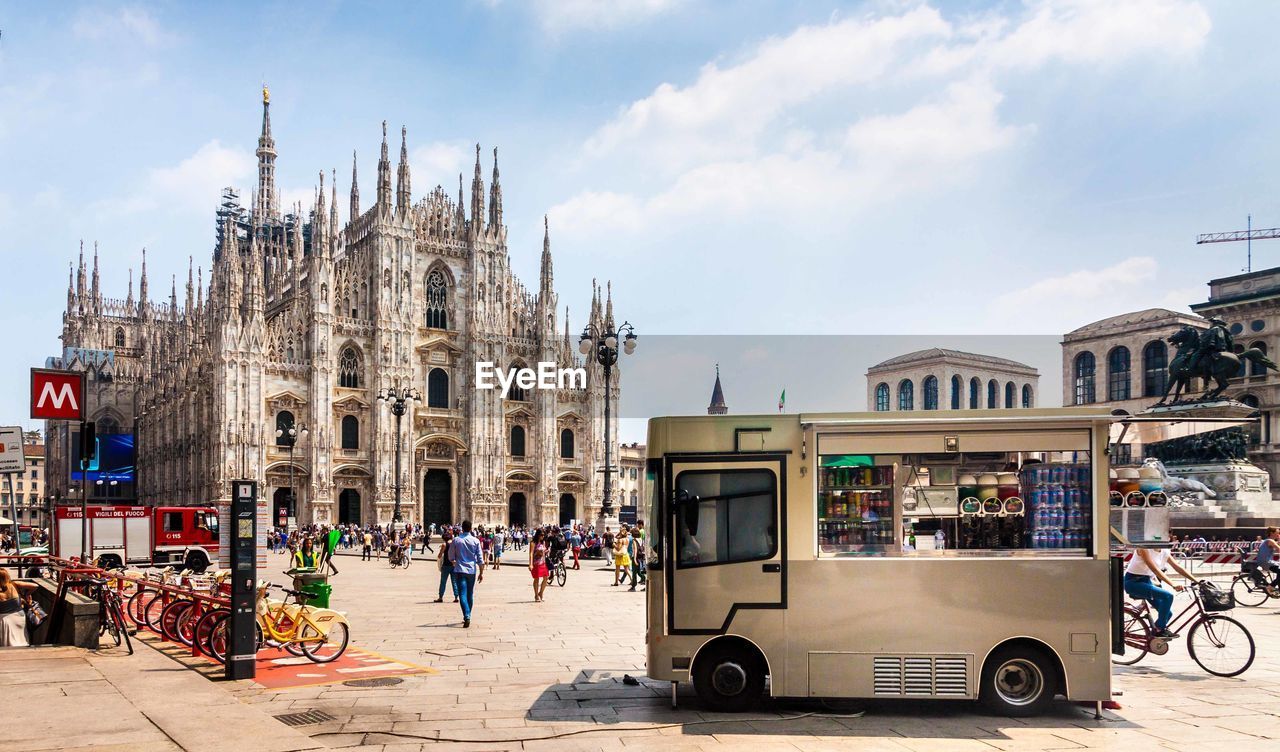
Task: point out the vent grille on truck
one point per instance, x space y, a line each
920 676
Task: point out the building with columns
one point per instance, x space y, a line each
305 320
941 379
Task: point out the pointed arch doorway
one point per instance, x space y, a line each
437 497
349 507
568 508
517 510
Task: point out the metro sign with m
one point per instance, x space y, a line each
57 395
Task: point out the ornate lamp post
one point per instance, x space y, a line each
289 437
604 344
399 397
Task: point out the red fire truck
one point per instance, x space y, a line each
184 537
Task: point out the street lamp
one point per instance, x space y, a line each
289 437
399 397
605 344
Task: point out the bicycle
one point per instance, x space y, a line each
399 557
110 610
1216 643
1251 588
321 634
556 570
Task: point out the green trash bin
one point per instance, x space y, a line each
321 591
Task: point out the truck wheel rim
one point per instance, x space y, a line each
1019 682
729 679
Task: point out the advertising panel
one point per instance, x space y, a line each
114 461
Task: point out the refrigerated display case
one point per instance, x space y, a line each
855 505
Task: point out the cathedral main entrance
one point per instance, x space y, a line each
517 510
437 489
568 508
281 507
349 507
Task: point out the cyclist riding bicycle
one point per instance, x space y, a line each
1264 560
1140 577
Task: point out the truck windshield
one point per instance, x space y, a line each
211 522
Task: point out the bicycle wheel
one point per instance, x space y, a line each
219 638
1137 637
328 649
1247 592
136 607
1221 645
152 612
561 575
169 619
405 560
205 625
185 626
117 614
109 624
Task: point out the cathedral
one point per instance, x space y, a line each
274 371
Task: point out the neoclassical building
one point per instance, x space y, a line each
305 320
941 379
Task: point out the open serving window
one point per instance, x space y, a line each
1028 492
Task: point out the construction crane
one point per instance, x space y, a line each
1236 236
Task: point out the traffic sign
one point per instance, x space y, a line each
11 457
57 395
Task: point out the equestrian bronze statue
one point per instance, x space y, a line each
1211 355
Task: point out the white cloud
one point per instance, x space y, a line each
1081 288
727 140
194 184
123 26
555 16
437 163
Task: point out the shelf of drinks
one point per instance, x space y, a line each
856 489
859 520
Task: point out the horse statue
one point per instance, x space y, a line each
1179 486
1220 367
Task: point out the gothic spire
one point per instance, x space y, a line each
173 299
333 204
142 286
266 198
95 290
495 196
128 301
546 277
319 230
477 197
384 173
81 292
189 309
71 287
461 209
199 288
608 314
355 190
402 178
717 406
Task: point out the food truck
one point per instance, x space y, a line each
941 555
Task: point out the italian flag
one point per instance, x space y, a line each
782 400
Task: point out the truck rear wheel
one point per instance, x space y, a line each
729 676
1018 680
196 562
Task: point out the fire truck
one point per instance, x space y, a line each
185 537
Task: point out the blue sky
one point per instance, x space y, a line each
735 168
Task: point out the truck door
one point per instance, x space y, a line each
727 521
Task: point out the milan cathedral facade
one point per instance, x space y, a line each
305 321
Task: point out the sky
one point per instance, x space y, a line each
748 168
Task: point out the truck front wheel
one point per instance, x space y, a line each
729 677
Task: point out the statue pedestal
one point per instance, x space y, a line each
610 521
1242 488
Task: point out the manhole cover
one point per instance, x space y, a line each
381 681
304 719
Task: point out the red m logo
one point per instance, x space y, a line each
57 395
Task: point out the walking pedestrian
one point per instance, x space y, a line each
367 553
575 542
446 566
637 554
621 561
607 551
468 568
538 565
499 538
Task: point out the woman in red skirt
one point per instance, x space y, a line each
538 565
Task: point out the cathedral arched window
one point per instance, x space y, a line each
906 395
516 392
350 432
517 441
438 388
284 421
882 397
119 336
107 424
1010 395
349 369
437 300
957 390
931 392
566 444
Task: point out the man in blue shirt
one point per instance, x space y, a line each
1264 559
468 568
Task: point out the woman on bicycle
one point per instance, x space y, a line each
1140 577
538 565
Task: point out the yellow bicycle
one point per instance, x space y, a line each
321 634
